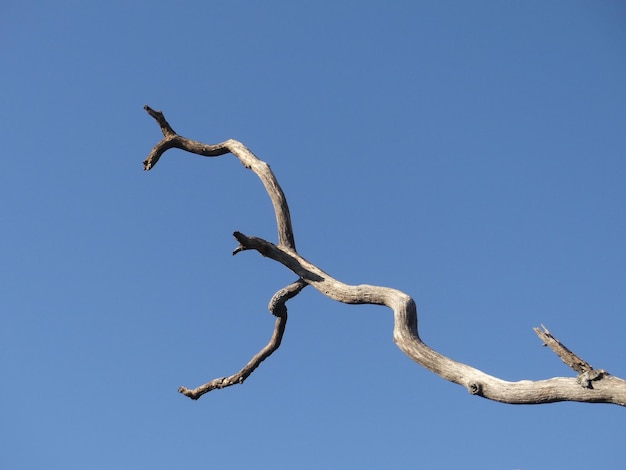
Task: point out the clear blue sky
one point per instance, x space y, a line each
471 154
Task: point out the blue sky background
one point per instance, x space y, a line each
472 154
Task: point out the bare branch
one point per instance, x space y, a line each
165 126
279 309
587 374
592 385
247 158
567 356
607 389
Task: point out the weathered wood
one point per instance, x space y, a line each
591 386
278 308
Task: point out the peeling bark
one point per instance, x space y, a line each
591 385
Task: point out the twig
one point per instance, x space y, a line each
586 373
279 309
249 160
567 356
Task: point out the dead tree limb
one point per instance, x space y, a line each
591 386
279 309
587 374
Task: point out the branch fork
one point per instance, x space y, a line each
591 385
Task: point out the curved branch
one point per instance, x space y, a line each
596 386
279 309
405 334
172 140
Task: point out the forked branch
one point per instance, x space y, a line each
592 385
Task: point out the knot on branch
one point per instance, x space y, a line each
589 376
475 388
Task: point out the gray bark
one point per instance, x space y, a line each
591 385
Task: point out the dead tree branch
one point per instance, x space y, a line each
592 386
279 309
587 374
